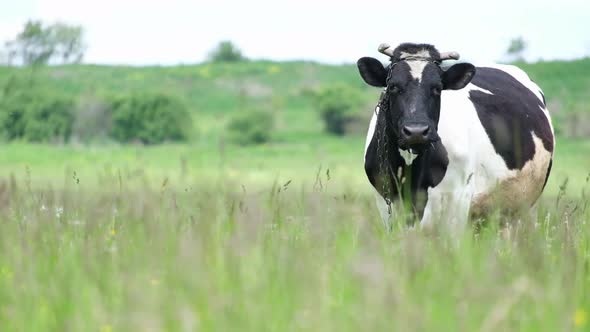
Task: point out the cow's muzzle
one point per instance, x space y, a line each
416 136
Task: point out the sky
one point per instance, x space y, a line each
169 32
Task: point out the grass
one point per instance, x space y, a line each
278 258
182 165
112 238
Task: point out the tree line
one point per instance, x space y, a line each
40 44
60 43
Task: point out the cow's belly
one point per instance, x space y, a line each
515 189
476 186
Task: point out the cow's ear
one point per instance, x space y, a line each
458 76
372 71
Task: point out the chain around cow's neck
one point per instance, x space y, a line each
383 148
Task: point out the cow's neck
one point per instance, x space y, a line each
401 174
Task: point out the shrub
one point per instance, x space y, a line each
13 108
226 51
251 127
336 105
36 116
149 119
49 120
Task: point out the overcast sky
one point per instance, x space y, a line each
140 32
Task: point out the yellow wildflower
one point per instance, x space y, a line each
580 318
6 273
205 72
106 328
274 69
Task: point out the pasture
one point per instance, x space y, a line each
279 237
284 236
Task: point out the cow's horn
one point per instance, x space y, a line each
449 56
385 49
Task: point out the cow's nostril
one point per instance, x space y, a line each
425 132
407 131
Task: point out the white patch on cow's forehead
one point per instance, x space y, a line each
416 67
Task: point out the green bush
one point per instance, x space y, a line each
36 116
149 119
49 120
226 51
251 127
336 105
13 108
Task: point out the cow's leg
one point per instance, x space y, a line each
449 202
447 209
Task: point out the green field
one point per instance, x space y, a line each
123 249
174 238
209 236
183 165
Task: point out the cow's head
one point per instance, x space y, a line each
413 83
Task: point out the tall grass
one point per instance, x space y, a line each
278 258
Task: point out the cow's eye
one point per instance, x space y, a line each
436 90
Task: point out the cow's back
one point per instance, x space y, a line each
511 109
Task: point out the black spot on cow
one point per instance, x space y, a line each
509 115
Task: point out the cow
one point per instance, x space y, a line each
454 142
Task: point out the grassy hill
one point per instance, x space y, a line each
213 91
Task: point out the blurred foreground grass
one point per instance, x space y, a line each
185 238
276 259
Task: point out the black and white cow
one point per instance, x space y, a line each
454 141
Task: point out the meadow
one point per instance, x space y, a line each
269 238
284 236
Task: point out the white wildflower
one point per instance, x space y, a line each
59 211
